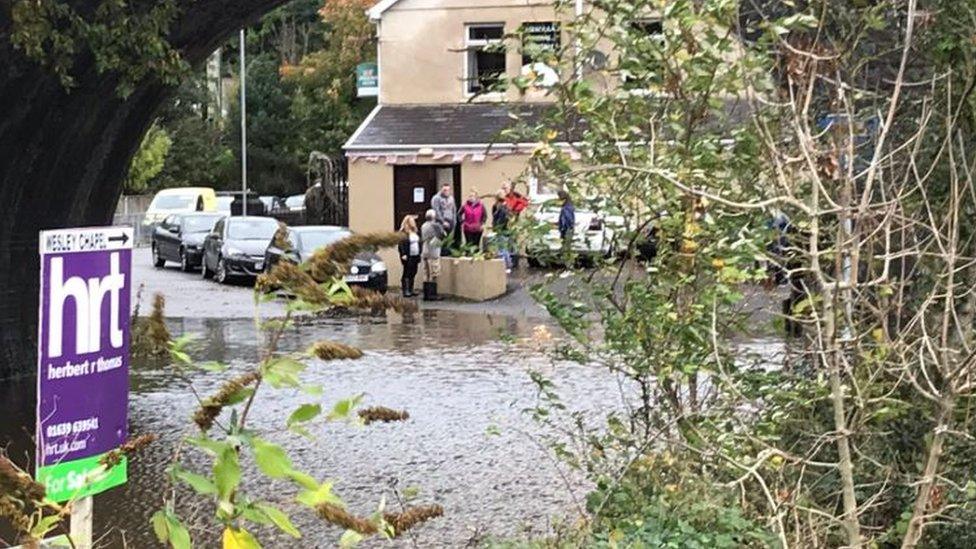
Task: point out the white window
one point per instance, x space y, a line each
485 61
540 52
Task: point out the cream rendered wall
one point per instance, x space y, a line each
371 194
421 45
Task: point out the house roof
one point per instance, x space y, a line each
377 10
441 126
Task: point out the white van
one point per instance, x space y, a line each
180 200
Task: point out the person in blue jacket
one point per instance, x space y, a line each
567 218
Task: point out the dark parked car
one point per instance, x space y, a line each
235 247
367 270
179 238
232 203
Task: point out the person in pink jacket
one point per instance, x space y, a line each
473 216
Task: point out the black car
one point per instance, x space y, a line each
180 237
367 270
235 247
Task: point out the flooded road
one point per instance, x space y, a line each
459 375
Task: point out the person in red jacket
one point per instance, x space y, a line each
516 201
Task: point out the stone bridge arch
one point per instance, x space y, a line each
63 154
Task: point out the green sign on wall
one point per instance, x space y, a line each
368 79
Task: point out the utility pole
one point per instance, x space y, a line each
243 129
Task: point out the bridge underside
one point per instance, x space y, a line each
63 154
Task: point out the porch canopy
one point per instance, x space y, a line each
398 134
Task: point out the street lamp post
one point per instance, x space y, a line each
243 129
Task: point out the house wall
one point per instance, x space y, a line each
421 47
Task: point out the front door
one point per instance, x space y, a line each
415 186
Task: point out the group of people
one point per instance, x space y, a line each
425 245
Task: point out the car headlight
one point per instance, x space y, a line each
234 251
378 267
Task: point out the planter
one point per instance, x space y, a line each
473 279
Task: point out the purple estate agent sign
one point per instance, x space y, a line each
83 358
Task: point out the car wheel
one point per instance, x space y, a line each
184 261
221 274
206 273
156 260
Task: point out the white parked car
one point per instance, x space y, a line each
295 203
594 235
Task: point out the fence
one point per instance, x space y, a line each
142 233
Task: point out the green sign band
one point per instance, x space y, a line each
80 478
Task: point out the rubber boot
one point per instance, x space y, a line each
410 286
430 291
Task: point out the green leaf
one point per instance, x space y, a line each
179 536
302 479
45 525
271 459
256 516
350 538
239 397
160 526
280 519
212 447
283 372
227 473
319 495
343 408
200 484
301 431
304 413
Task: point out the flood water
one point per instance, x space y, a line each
459 375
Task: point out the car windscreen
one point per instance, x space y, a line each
296 201
174 202
199 224
251 229
309 241
224 202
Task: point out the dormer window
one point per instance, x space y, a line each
485 61
540 52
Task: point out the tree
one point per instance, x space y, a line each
74 145
849 175
149 160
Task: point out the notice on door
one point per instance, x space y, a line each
418 195
83 358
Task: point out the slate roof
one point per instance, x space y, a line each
414 126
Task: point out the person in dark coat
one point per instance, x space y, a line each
567 219
500 216
409 248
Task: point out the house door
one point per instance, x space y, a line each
414 186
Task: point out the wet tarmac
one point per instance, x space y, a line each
467 446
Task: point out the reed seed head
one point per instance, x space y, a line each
334 514
383 414
211 407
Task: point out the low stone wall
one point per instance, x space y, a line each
466 278
474 279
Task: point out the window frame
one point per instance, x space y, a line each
472 46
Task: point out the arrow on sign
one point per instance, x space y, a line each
123 238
